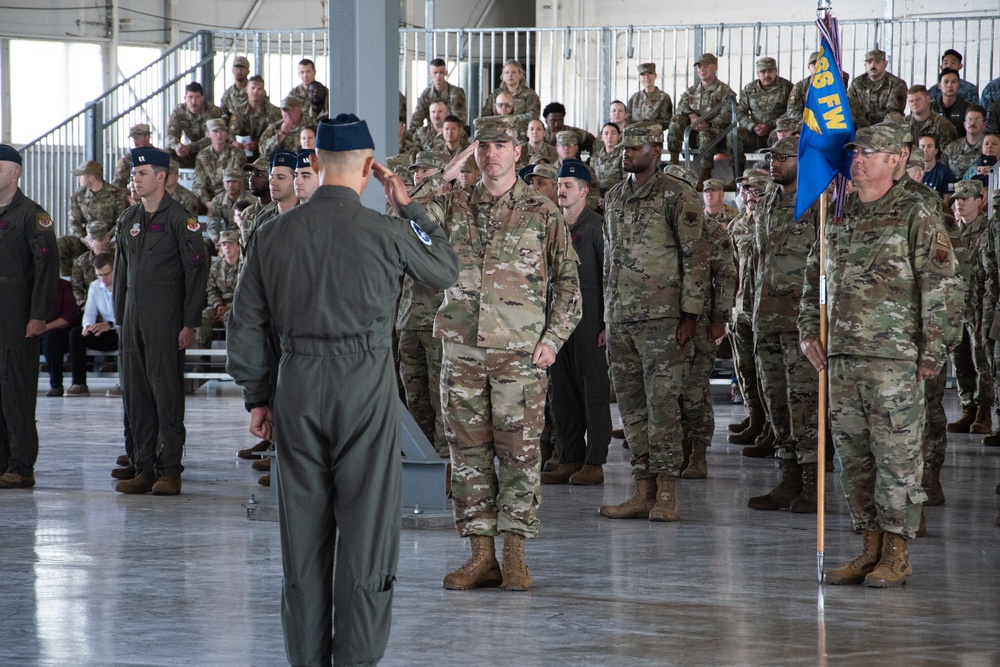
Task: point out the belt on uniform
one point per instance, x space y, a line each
334 347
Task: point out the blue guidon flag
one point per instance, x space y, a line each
826 126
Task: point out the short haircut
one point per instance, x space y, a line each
438 102
946 71
159 169
992 133
917 90
951 52
617 102
976 108
256 78
306 61
610 124
194 87
452 118
437 62
241 205
103 259
553 107
342 160
927 135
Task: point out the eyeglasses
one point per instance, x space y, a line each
777 157
106 273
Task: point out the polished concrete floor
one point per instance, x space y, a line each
91 577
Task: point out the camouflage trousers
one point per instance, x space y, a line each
207 325
790 389
749 143
493 404
675 135
935 422
420 373
697 411
69 247
648 369
972 369
877 420
746 363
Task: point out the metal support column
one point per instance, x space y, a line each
208 69
364 73
5 109
608 67
93 139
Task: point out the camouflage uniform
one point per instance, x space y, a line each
493 398
655 106
971 359
222 213
606 166
961 155
527 106
546 152
453 96
697 99
656 271
231 100
84 273
105 205
887 318
789 381
877 98
585 140
268 143
723 217
222 278
759 105
426 136
248 122
741 232
301 93
192 126
209 166
186 198
797 98
938 126
419 350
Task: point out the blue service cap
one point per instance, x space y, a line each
9 154
346 132
304 159
576 169
147 155
526 172
283 158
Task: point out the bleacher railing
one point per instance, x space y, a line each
584 68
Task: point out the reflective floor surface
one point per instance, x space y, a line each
92 577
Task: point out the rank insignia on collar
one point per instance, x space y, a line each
135 229
421 234
193 225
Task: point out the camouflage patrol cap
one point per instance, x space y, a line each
175 167
682 173
874 54
232 174
640 134
260 164
968 189
882 138
766 63
788 124
469 166
90 168
786 146
567 138
495 128
747 173
215 124
291 102
229 236
647 68
707 59
429 160
139 129
543 171
98 230
538 158
241 61
813 57
916 158
712 185
759 183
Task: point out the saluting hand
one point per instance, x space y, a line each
393 185
454 167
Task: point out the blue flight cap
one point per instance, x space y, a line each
147 155
346 132
283 158
9 154
526 172
304 159
576 169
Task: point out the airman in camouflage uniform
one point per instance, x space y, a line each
939 127
123 168
95 200
536 148
790 385
650 103
276 138
439 90
877 90
762 102
698 414
656 273
753 183
235 95
223 203
527 106
187 125
964 151
419 350
725 213
891 275
221 287
695 101
213 160
98 240
253 115
498 337
606 160
179 193
797 96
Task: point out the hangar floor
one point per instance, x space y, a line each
92 577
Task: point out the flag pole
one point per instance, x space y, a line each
821 439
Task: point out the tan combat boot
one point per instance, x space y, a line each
754 427
993 439
665 508
125 472
806 502
515 573
922 528
481 570
763 447
551 463
252 453
697 467
136 485
855 572
562 473
636 507
962 424
788 489
122 460
894 568
739 426
588 475
983 422
932 487
168 485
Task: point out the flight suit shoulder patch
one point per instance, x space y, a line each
421 234
193 225
43 219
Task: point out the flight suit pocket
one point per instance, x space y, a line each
370 617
